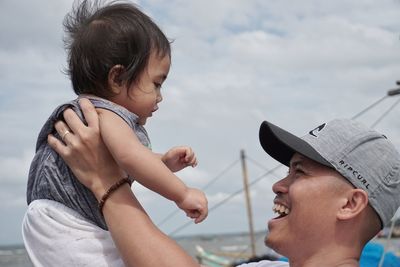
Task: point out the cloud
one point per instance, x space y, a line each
13 170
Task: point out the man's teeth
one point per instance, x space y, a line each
280 209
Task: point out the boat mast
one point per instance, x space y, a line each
248 203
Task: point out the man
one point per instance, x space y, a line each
343 186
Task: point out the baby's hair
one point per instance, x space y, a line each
100 36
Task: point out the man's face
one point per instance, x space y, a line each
306 203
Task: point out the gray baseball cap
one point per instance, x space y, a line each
366 158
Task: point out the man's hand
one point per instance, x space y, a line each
84 151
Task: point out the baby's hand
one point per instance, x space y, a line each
194 205
179 157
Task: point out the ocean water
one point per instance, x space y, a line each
14 256
222 244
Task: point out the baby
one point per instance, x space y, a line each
118 59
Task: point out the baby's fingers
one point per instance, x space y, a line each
202 215
190 158
193 162
199 215
193 214
189 154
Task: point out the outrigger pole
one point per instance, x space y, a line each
248 203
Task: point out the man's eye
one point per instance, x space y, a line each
158 85
299 171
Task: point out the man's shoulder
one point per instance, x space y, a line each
266 263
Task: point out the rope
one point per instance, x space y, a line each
385 113
369 107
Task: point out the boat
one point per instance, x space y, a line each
209 259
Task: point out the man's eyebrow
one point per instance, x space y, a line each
296 162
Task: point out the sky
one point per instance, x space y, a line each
234 64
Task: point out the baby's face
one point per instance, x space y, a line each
142 97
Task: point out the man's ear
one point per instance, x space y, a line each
353 203
115 82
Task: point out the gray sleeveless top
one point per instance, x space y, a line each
49 176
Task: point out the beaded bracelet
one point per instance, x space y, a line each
113 188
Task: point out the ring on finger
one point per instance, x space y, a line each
65 134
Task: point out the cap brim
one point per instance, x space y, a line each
281 145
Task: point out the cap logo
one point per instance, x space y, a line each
315 131
356 174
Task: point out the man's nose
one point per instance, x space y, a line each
281 186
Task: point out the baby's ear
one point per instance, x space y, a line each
114 79
353 204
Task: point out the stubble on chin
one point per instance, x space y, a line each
269 241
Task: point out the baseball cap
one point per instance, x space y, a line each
366 158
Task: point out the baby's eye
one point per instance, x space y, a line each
158 85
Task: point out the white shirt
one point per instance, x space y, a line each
55 235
